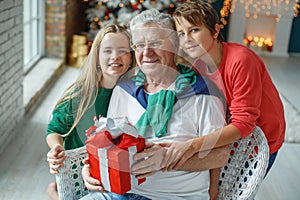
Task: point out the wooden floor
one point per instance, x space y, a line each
24 169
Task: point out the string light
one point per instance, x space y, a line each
296 9
224 12
258 42
254 7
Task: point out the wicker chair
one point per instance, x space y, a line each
69 180
246 168
239 179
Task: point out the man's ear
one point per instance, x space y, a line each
217 31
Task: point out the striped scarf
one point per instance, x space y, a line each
160 105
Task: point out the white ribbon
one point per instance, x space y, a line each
133 180
116 126
104 168
103 163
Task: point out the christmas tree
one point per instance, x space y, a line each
101 12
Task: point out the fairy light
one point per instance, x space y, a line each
254 7
296 9
96 19
225 10
258 42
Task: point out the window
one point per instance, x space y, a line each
33 25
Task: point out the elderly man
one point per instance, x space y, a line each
170 106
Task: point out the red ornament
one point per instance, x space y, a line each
135 6
107 12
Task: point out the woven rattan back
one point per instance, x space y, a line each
241 177
69 180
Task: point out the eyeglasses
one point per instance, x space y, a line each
154 44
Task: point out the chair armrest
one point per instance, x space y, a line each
70 184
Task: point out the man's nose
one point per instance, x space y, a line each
147 50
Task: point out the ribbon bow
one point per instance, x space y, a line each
115 126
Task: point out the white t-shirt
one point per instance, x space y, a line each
192 117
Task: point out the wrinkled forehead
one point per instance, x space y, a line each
145 32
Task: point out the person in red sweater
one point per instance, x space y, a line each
251 97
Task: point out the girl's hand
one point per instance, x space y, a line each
56 157
90 182
177 154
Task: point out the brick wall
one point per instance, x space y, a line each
59 31
11 68
55 20
63 19
75 21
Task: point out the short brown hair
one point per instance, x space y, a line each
199 13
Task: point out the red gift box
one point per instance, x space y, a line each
111 159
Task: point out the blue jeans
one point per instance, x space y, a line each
112 196
271 161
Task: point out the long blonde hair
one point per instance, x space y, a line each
86 86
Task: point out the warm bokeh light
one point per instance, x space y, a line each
254 7
258 42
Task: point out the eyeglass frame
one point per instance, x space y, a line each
148 44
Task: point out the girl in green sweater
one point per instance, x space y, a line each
89 96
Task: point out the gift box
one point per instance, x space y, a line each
111 145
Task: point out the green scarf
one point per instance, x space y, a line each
160 105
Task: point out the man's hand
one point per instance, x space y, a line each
56 157
148 161
90 182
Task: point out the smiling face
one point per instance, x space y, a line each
196 41
114 54
154 50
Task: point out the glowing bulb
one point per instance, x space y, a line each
261 39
